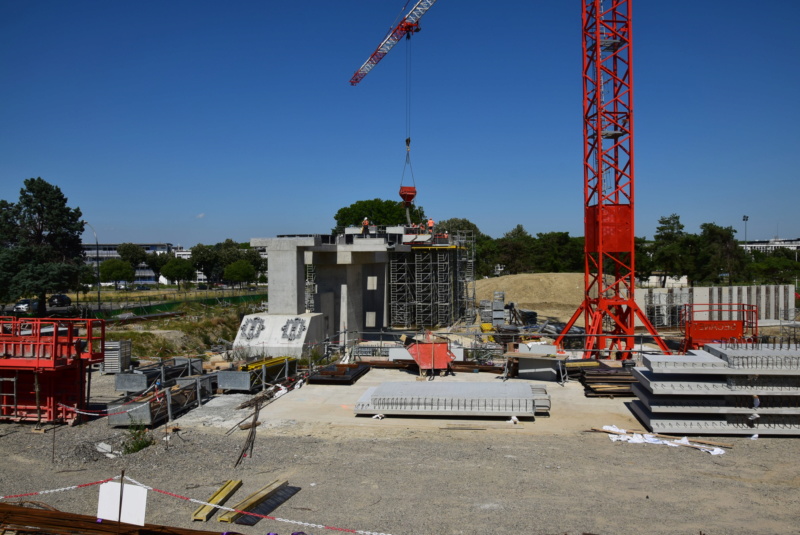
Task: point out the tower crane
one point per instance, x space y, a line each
407 26
608 308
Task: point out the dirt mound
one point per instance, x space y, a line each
554 296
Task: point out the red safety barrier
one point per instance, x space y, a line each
43 367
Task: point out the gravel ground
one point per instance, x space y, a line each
415 476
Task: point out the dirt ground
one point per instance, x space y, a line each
407 475
553 296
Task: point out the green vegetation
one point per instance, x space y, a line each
137 439
116 270
194 332
40 244
378 211
178 270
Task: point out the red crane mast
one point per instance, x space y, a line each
608 308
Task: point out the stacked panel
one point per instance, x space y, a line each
723 389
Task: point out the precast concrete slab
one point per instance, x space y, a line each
767 358
454 399
757 385
732 424
705 363
713 404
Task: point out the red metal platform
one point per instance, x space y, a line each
43 365
704 323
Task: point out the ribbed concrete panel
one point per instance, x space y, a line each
716 425
454 399
767 358
716 404
705 363
677 384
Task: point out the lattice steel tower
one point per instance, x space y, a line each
608 308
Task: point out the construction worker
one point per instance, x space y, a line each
430 225
365 227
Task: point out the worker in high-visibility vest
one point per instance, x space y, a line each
365 227
430 225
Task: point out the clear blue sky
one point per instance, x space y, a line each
196 121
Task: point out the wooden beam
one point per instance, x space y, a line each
253 500
204 512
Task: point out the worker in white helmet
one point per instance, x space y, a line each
365 227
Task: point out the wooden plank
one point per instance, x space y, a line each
204 512
253 500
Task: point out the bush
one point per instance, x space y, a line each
138 439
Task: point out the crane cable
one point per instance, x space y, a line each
407 164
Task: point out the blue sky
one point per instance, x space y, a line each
195 121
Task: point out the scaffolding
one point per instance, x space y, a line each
311 287
432 286
401 290
465 269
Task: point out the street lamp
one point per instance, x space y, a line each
745 218
96 262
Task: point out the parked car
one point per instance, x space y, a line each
202 286
26 305
141 287
59 300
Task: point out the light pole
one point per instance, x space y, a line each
96 262
745 218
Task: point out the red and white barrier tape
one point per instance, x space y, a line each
192 500
73 487
101 411
277 519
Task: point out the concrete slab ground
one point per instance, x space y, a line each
332 405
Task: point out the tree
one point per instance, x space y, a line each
557 252
206 259
720 256
178 270
116 270
156 262
515 251
239 272
378 211
132 254
40 243
669 249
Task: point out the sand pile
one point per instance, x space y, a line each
554 296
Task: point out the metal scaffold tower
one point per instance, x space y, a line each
425 284
465 267
428 286
311 287
401 290
445 298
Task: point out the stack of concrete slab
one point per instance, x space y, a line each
732 389
436 398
